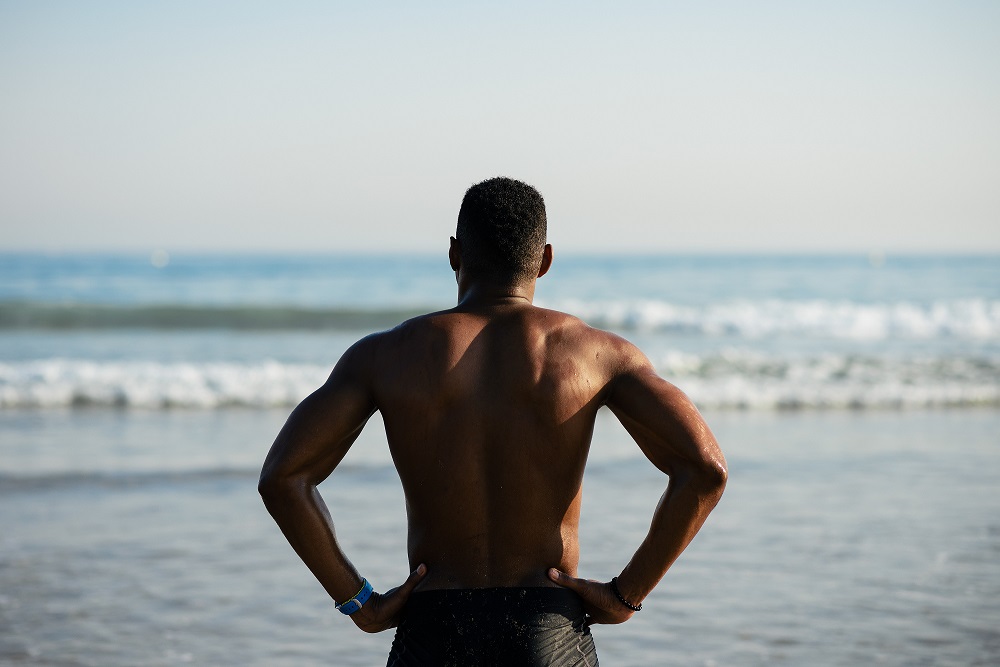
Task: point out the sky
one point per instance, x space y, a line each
356 127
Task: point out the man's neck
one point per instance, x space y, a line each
480 294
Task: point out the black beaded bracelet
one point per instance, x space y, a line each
621 598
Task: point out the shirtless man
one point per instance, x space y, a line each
489 409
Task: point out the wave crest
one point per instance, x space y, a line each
747 380
977 319
136 384
971 318
730 379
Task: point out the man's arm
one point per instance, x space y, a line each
311 444
673 436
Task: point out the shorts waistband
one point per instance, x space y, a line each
542 599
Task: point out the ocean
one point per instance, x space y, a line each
857 399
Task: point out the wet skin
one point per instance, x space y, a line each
489 409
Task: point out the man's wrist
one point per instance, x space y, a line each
352 605
621 597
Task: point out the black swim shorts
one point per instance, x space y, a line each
488 627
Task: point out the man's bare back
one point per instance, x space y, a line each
489 409
488 413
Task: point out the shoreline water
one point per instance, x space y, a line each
844 538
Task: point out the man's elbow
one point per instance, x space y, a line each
720 475
711 479
267 487
274 487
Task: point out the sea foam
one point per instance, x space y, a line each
137 384
736 378
970 318
744 379
973 319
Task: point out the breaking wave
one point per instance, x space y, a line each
750 380
971 318
735 379
977 319
138 384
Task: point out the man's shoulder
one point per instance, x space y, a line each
415 330
565 328
571 323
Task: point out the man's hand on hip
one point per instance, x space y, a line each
599 601
382 610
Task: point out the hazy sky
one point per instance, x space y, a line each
653 126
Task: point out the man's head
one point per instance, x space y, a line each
501 231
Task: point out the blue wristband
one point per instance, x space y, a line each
358 601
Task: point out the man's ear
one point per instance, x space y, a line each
546 260
455 254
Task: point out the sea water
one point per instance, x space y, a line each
857 400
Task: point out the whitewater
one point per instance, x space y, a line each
210 332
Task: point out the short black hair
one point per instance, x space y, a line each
502 228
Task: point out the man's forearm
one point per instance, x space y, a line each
680 514
304 519
302 515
